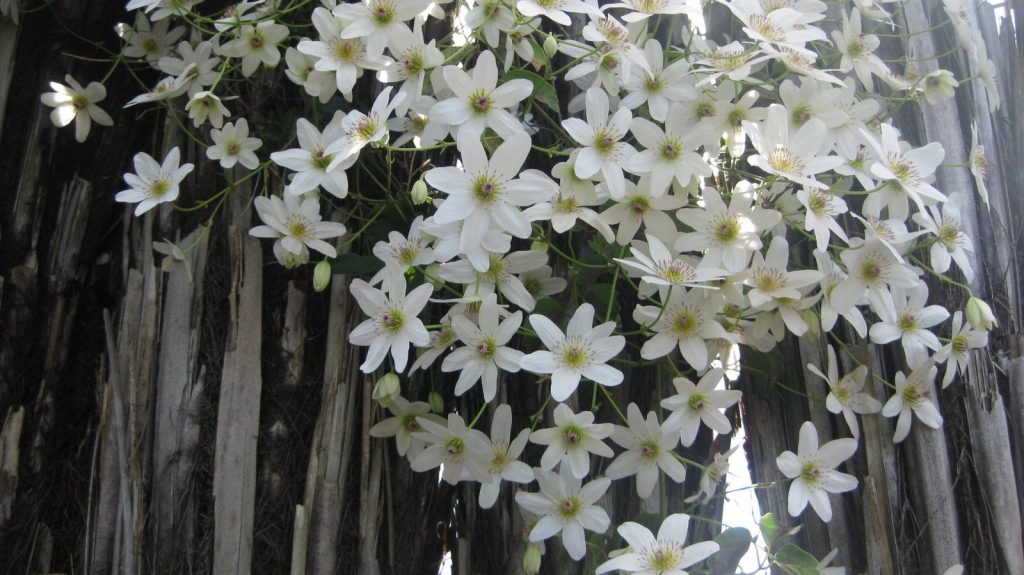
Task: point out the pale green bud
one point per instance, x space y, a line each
539 247
436 402
322 276
811 319
433 278
419 192
550 48
531 559
980 315
387 389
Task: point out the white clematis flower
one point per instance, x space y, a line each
153 183
567 507
582 351
813 471
393 322
78 104
667 554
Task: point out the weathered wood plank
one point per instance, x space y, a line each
234 479
178 389
10 438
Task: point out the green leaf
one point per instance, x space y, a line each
356 265
796 560
769 528
539 56
732 545
548 307
543 91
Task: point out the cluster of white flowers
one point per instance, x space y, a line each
722 156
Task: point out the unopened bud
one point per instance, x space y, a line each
430 273
419 192
811 319
539 247
531 559
550 48
436 402
322 276
387 389
980 315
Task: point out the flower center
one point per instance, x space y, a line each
382 13
650 449
486 190
769 279
299 227
871 270
705 109
912 395
412 62
727 229
818 203
696 402
345 50
801 114
79 103
455 446
764 26
783 160
979 160
569 508
663 560
638 206
908 321
670 150
572 435
686 322
159 188
392 320
856 47
486 349
811 473
949 234
574 354
960 344
654 84
365 129
256 41
233 148
409 423
321 159
605 141
841 393
903 169
678 272
480 102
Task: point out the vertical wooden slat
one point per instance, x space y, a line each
178 389
234 479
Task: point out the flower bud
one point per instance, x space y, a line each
419 192
539 247
430 273
980 315
531 559
387 389
550 48
321 276
436 402
811 319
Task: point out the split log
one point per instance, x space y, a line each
234 479
10 437
178 393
